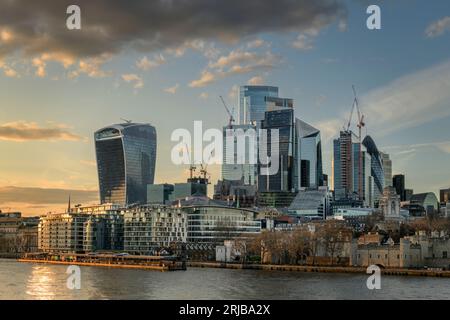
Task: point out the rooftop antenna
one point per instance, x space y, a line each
127 121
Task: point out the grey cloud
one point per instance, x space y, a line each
30 131
109 26
45 196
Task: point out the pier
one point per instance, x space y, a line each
157 263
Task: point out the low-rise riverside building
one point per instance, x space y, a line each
17 234
82 229
149 228
194 222
418 251
389 255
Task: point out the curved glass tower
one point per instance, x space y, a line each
126 157
376 166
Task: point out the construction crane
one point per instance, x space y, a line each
203 170
192 168
360 124
231 120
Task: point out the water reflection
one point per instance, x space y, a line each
42 283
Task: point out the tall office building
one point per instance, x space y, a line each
243 166
253 104
309 155
126 157
398 182
284 180
376 167
387 169
343 165
366 177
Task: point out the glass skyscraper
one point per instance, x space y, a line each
253 102
283 121
376 167
387 168
240 167
343 165
309 155
126 157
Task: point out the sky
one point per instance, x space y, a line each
167 62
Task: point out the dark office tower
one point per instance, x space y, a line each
342 165
126 156
304 174
377 171
444 195
283 121
398 182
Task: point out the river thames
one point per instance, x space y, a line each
42 281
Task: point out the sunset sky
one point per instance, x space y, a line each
166 63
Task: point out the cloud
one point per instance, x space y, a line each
30 131
438 28
203 95
406 102
258 43
236 62
234 57
134 79
45 196
172 90
92 67
443 146
205 79
109 26
9 72
303 42
255 81
147 64
207 48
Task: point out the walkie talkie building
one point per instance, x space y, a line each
126 157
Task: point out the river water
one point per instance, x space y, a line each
42 281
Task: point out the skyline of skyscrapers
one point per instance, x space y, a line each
126 158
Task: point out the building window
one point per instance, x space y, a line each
444 254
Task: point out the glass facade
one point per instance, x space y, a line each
214 225
240 169
253 104
343 165
283 121
309 151
126 157
376 167
387 168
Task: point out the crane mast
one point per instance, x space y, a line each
360 124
